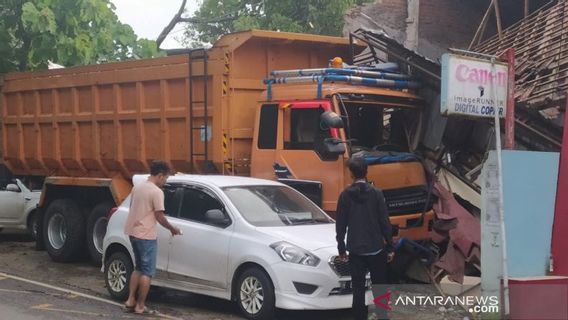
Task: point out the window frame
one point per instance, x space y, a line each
177 190
285 106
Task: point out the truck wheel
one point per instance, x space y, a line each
64 230
118 268
255 295
33 225
96 230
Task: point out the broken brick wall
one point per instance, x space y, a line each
442 23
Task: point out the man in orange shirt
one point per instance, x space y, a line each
146 208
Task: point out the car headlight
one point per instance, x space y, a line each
294 254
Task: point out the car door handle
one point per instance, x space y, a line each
27 199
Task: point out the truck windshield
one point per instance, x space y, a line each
376 128
274 206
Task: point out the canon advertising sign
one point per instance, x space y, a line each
467 85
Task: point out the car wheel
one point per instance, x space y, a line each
96 230
118 269
33 225
255 294
64 230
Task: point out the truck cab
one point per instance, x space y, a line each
296 142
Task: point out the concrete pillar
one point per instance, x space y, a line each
412 23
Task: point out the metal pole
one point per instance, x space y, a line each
501 209
510 115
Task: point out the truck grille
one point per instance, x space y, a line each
408 200
341 268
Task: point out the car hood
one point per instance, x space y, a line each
309 237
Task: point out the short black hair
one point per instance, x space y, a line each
358 167
159 166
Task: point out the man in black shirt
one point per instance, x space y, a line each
362 214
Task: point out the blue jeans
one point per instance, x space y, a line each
145 253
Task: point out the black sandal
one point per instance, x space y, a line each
128 309
147 311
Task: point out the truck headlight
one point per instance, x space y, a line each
294 254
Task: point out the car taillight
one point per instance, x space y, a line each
111 212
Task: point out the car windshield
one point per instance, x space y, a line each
273 206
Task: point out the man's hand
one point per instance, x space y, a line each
175 231
390 256
343 257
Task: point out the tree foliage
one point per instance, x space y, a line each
217 17
68 32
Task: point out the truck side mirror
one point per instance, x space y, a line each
331 119
13 188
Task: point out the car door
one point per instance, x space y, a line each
200 256
11 205
172 199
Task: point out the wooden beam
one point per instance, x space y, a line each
526 8
484 27
498 18
481 28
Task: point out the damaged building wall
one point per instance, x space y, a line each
450 23
441 24
541 74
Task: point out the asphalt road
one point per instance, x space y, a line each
34 287
24 300
19 259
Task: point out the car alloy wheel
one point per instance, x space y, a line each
252 295
116 275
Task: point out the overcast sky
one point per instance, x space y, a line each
149 17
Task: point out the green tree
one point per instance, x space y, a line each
146 49
68 32
217 17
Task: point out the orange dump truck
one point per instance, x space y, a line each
88 129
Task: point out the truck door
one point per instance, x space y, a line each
301 134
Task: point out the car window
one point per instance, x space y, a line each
195 203
273 206
172 197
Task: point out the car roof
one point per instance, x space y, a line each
216 180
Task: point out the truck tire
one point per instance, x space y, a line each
64 230
96 230
118 268
255 294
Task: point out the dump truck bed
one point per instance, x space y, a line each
113 119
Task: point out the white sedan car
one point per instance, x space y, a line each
18 207
257 242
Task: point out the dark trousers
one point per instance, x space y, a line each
359 266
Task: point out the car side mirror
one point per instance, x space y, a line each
13 188
331 119
217 217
